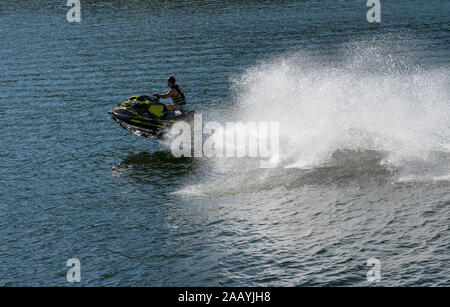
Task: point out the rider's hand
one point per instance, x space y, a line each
156 95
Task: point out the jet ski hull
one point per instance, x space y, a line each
133 116
151 130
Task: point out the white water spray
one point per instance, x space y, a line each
366 103
322 108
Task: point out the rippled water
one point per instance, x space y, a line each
365 144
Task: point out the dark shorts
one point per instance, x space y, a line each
173 107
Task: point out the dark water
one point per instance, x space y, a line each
74 184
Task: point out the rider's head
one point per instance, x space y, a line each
171 81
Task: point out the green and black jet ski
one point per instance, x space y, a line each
146 116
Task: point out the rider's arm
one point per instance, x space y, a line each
166 95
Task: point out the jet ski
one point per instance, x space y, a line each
146 116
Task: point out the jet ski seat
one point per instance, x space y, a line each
157 109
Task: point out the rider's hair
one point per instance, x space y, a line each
171 79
